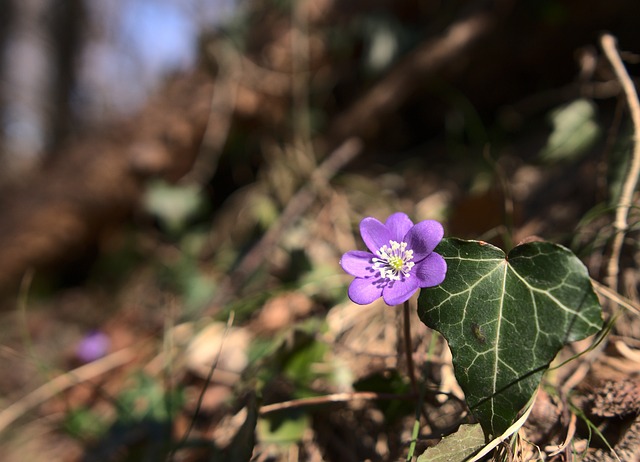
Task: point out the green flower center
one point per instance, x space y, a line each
394 261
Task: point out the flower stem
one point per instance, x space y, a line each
408 347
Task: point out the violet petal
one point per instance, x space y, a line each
358 263
364 291
93 346
423 238
374 234
431 271
398 225
398 292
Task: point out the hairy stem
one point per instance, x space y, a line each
408 347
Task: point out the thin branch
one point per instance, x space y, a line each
344 397
214 365
368 113
299 204
608 43
333 398
63 382
616 297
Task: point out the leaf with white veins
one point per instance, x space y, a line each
506 317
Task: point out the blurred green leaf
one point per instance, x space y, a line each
296 356
146 398
197 291
385 40
283 428
264 210
388 382
575 130
173 205
299 367
457 447
185 277
323 282
84 423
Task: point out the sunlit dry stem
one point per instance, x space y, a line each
615 297
65 381
333 398
608 43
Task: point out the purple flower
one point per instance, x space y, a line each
401 260
93 346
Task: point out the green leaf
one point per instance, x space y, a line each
506 317
575 129
147 398
390 382
299 366
173 205
457 447
283 429
84 423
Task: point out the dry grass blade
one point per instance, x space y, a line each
333 398
346 152
608 43
615 297
571 431
63 382
510 431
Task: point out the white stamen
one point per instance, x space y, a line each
394 262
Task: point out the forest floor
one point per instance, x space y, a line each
292 335
204 326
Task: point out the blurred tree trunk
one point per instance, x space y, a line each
67 24
6 18
27 67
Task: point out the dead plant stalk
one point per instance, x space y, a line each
608 43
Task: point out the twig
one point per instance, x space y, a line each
333 398
368 113
214 365
63 382
296 206
615 297
608 43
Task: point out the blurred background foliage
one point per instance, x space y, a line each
168 166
